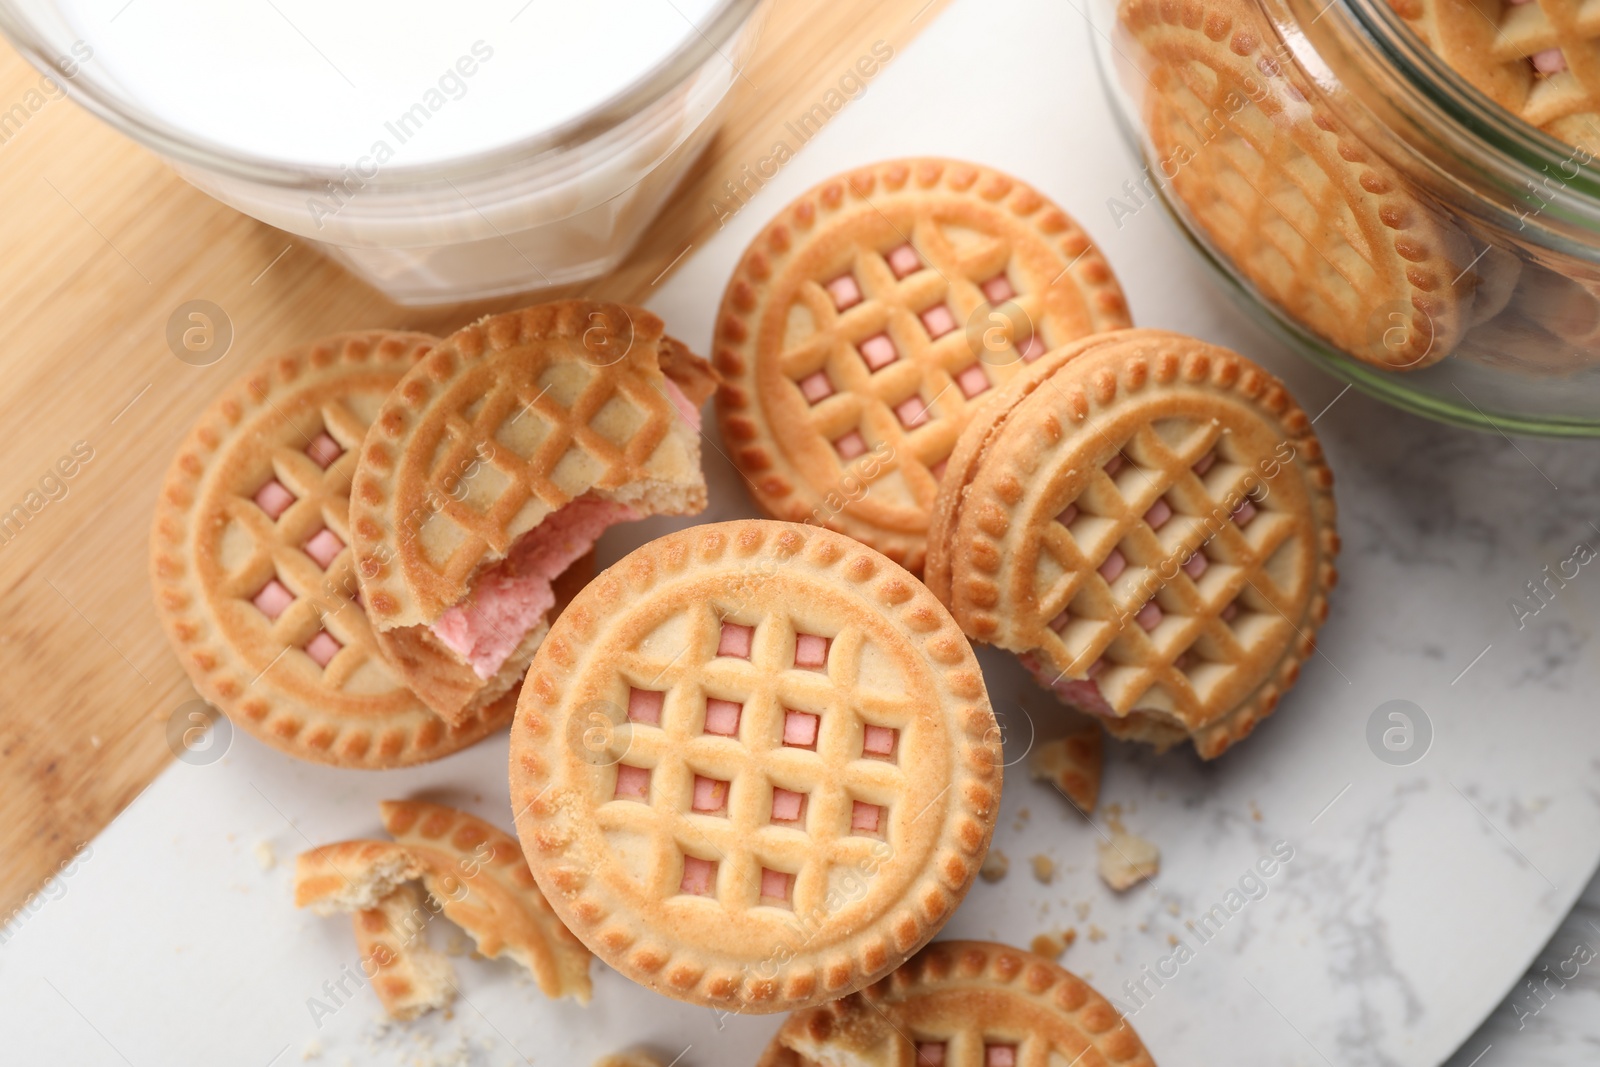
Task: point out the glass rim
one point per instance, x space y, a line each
184 147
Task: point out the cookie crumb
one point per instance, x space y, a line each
995 866
1050 946
1172 907
265 855
1096 934
1044 868
1082 908
1126 860
312 1050
1172 939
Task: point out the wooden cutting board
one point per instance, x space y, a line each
99 243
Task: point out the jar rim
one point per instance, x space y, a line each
185 147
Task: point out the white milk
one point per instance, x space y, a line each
359 91
319 82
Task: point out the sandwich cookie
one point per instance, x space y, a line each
496 464
1317 223
755 766
473 874
1148 520
963 1004
253 582
868 321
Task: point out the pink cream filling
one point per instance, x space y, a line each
511 598
690 413
1080 693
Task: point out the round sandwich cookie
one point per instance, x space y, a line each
1148 520
755 766
870 319
1289 196
252 579
964 1004
496 464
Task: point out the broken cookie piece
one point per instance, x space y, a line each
408 976
995 866
1072 763
1127 859
474 874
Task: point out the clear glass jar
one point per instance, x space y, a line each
1396 225
557 207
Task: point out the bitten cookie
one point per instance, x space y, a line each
252 579
872 317
1148 520
755 766
963 1004
495 465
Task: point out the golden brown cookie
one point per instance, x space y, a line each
251 576
1291 199
408 975
870 319
1151 526
755 765
495 465
963 1004
1072 763
475 876
1535 58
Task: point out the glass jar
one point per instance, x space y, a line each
1397 226
558 206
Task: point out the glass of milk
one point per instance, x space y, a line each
441 152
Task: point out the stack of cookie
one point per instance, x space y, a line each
1148 521
1145 519
373 599
754 764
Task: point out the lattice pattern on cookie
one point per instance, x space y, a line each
1537 58
1299 207
873 316
295 570
892 369
507 421
1153 525
964 1004
530 446
1156 587
773 773
755 765
250 568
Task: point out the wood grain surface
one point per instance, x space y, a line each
99 244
